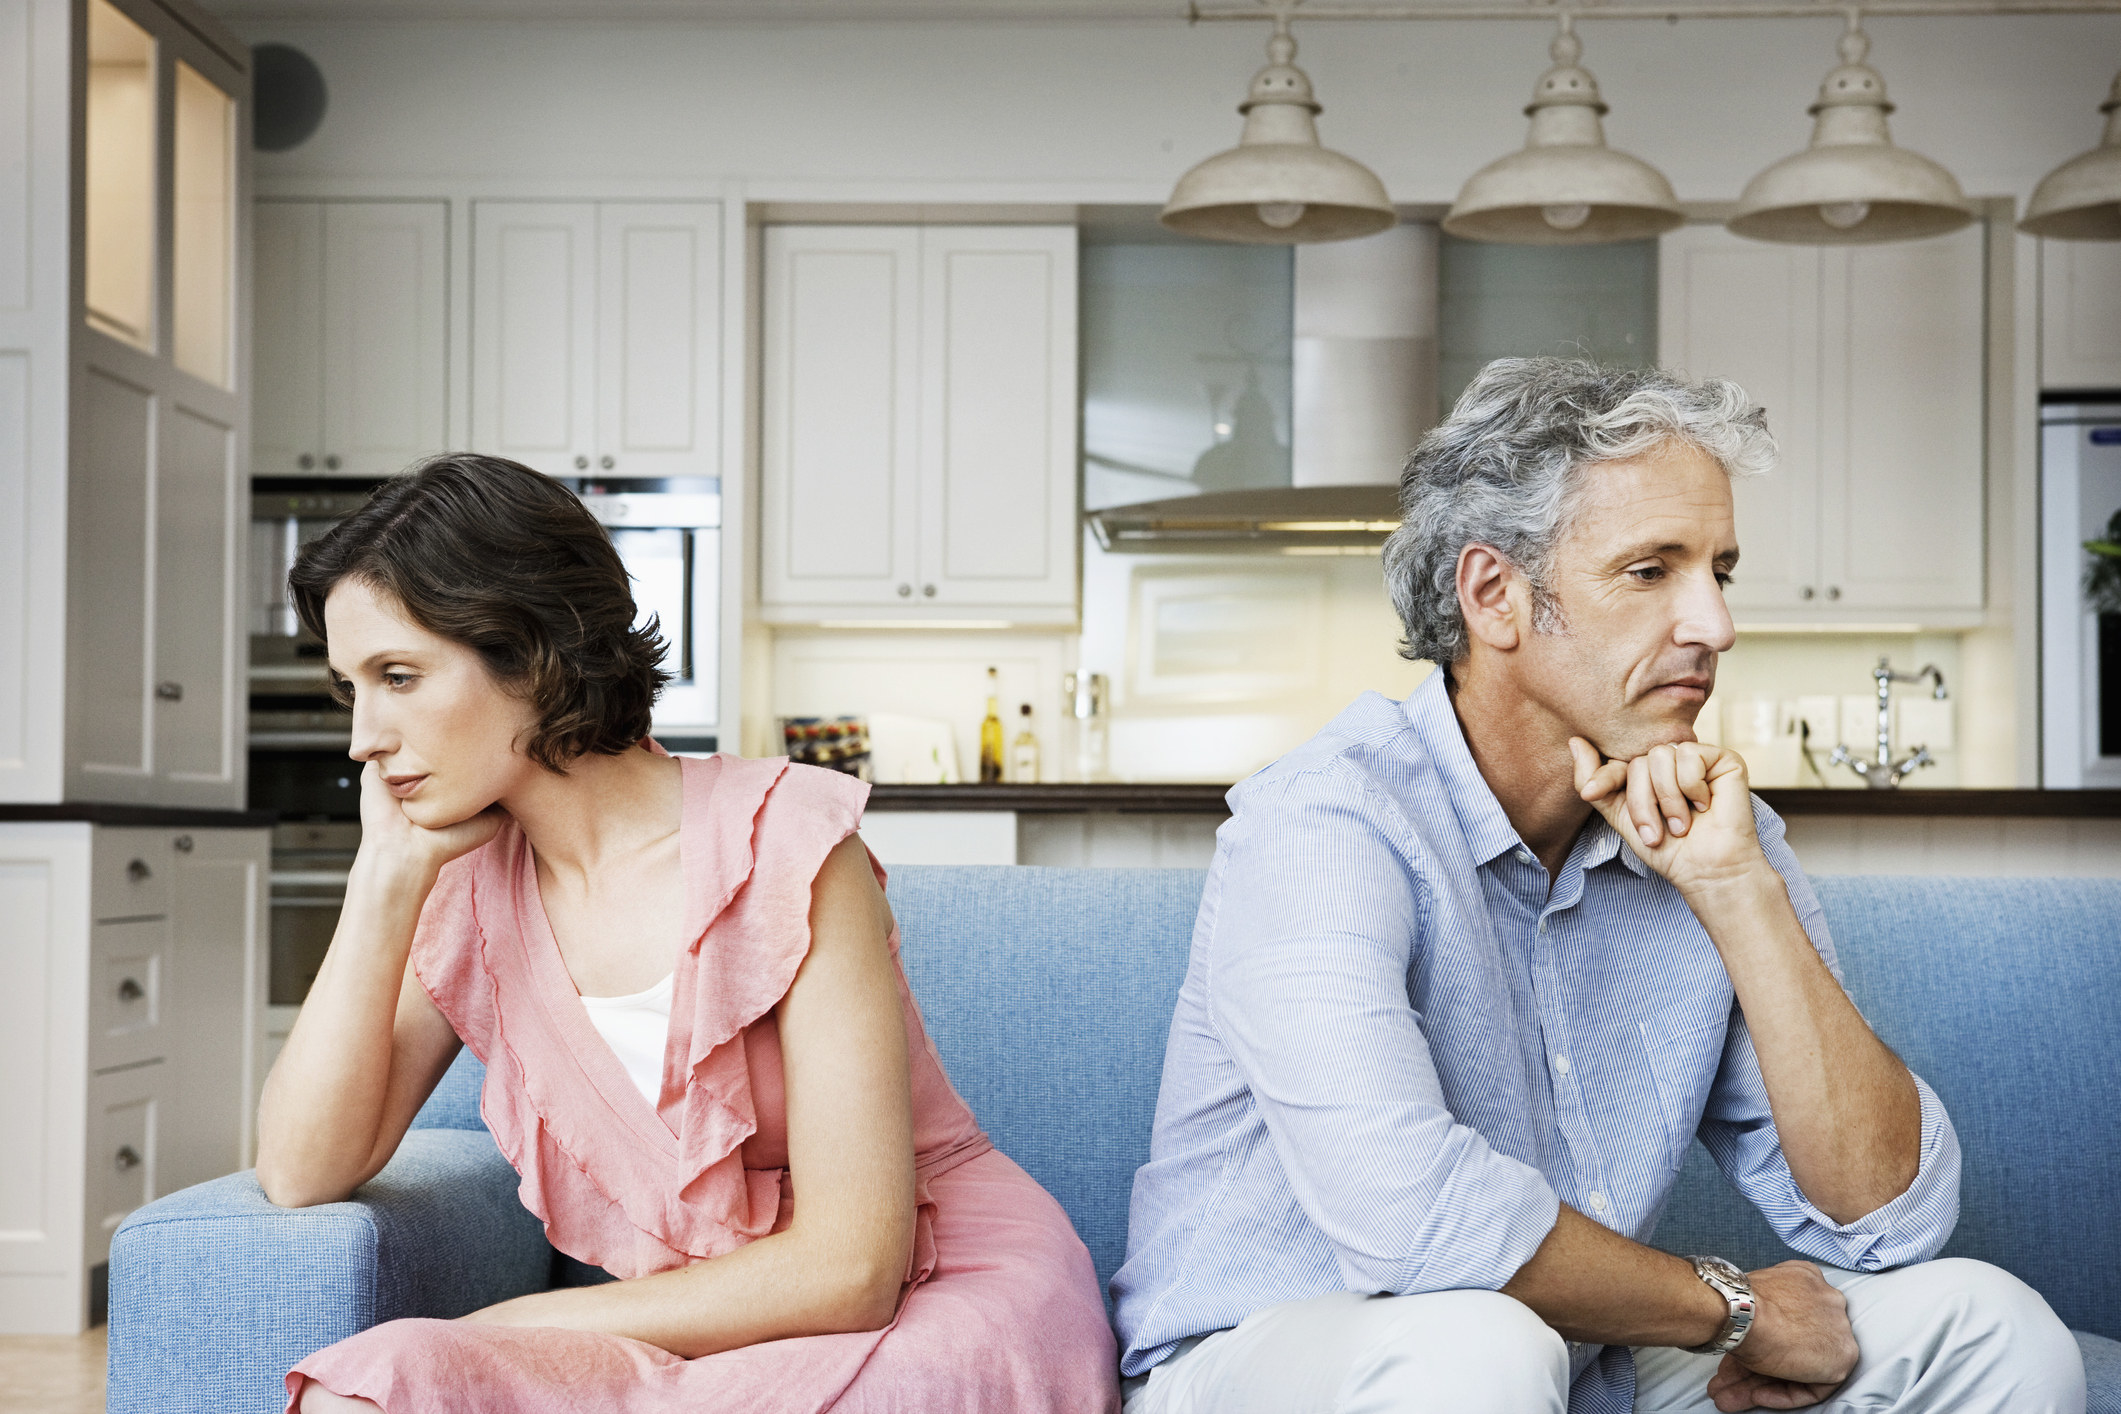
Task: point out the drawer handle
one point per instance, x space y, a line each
305 461
168 691
183 844
130 990
1833 591
331 463
138 872
581 463
607 462
928 591
126 1158
904 590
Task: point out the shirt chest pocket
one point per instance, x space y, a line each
1683 1064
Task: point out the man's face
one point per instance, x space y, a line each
1638 581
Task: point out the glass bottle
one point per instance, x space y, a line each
990 732
1023 753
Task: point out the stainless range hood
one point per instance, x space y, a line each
1286 520
1365 391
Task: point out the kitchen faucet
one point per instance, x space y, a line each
1884 773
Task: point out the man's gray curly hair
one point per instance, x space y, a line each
1505 467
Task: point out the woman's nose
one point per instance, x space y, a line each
368 736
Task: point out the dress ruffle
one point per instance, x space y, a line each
754 836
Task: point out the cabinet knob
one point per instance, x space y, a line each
130 990
305 461
167 691
928 591
1805 593
126 1158
331 463
607 462
1833 591
138 872
905 591
182 843
581 463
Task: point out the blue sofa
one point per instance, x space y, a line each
1049 992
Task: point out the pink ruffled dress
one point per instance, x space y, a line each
1002 1311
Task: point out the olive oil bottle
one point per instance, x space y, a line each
990 732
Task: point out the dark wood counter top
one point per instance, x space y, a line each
175 817
1190 799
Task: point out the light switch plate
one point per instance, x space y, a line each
1823 715
1923 721
1859 722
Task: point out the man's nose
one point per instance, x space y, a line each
1705 619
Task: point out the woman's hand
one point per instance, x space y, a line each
394 841
1685 808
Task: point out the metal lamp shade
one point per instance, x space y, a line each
1851 186
1278 186
2081 199
1566 187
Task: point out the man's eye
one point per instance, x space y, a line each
1648 574
1723 577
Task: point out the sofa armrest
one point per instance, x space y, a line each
215 1293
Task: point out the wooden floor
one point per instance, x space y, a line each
52 1374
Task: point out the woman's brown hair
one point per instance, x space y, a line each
488 553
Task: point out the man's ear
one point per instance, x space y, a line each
1490 597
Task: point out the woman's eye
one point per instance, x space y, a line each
397 679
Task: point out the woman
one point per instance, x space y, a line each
683 979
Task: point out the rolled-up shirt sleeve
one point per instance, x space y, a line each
1317 927
1738 1130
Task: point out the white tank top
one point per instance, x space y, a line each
637 1028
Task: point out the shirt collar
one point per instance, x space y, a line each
1487 829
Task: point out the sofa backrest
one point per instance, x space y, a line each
1049 994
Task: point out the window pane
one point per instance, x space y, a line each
121 176
204 242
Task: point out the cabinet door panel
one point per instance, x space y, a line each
1901 520
838 500
1749 312
2080 315
216 996
287 400
533 323
127 1124
108 601
195 601
384 334
659 338
998 416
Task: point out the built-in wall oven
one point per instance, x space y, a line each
2080 647
667 532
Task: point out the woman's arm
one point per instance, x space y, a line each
369 1045
840 1263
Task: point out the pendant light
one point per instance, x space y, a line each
1278 186
1851 186
2081 199
1566 187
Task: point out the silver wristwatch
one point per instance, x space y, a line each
1729 1283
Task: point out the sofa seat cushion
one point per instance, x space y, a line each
2102 1373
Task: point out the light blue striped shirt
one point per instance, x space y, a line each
1395 1053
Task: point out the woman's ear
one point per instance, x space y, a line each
1491 597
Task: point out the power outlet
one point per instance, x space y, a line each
1923 721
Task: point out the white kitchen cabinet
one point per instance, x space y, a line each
131 1035
352 336
596 336
1870 362
2080 316
918 441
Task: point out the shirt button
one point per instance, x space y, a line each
1598 1202
1561 1063
1525 856
1542 925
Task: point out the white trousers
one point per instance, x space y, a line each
1950 1335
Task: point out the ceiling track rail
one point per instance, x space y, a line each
1696 10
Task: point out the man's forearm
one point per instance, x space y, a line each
1846 1109
1593 1285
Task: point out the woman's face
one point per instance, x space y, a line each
440 729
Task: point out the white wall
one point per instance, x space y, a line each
1079 111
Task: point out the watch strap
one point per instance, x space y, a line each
1727 1281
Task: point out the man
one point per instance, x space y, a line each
1473 970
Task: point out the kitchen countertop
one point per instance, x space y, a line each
176 817
1188 798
